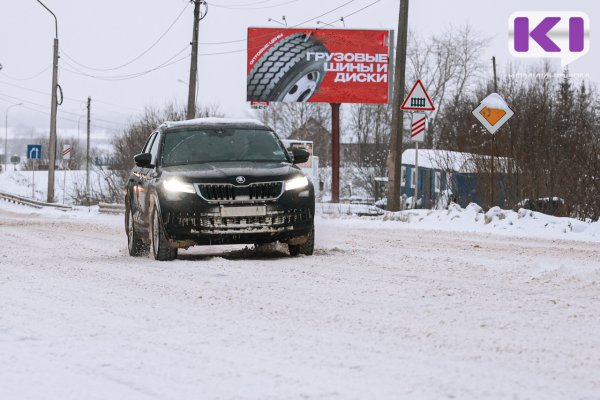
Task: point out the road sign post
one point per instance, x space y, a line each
417 100
34 152
66 157
492 113
417 135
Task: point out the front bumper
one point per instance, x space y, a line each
191 220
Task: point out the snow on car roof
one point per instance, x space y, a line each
214 121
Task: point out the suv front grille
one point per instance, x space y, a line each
262 191
228 192
218 192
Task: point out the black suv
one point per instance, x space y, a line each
217 181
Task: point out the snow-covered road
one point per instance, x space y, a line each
381 311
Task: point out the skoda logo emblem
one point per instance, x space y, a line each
240 179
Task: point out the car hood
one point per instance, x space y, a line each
227 172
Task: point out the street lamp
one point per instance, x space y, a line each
6 133
53 105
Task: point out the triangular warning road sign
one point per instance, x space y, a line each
417 99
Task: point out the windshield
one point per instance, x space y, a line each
194 146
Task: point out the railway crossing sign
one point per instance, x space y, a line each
493 112
418 99
67 152
417 131
34 151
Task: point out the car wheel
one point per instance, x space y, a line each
135 244
161 249
285 74
307 248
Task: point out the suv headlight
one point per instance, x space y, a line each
175 185
296 183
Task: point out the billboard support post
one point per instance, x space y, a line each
335 152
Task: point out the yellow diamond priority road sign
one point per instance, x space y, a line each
493 112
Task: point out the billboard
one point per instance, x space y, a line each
319 65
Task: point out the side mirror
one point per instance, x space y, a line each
300 155
143 160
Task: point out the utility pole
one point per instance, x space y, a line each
394 162
52 143
53 105
87 154
191 106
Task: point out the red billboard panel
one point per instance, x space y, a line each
319 65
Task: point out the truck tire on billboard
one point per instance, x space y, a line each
284 73
319 65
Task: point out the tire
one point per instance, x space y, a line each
135 244
284 73
306 248
161 249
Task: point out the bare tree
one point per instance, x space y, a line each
449 65
285 118
367 156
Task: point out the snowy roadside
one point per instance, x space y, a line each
35 184
472 219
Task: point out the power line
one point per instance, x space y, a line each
293 26
62 110
245 4
66 98
135 58
62 118
28 78
249 7
165 64
357 11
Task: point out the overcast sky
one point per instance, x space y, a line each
104 34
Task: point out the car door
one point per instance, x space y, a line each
135 185
148 175
134 182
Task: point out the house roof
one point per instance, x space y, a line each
446 160
437 159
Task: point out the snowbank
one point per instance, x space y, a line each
67 185
522 223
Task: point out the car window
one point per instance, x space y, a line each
190 146
148 144
154 149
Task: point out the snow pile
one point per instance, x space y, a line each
474 219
